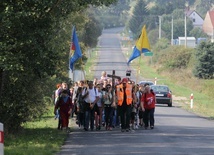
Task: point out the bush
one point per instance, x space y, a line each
174 57
204 68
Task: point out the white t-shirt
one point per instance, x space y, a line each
74 93
92 93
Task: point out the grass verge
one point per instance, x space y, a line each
41 136
89 66
181 85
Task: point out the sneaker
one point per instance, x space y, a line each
103 123
127 130
85 129
68 130
123 130
152 127
136 127
133 127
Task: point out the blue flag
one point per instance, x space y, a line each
75 49
136 53
142 45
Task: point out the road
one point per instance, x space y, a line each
176 132
110 55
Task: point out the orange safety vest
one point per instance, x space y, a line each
120 94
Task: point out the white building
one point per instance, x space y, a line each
190 41
196 19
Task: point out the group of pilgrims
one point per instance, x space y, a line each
98 105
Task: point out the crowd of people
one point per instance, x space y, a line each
101 104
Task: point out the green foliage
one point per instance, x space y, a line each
175 4
153 36
114 15
175 57
161 45
39 137
92 31
138 18
204 55
198 33
35 43
202 6
178 26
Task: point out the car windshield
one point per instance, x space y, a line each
144 82
160 88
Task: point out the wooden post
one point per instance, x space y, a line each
113 76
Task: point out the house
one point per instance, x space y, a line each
208 26
195 18
191 41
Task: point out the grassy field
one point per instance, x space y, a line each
89 67
182 84
42 137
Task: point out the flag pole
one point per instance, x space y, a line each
82 68
77 51
70 54
138 69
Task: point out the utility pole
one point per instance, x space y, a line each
159 27
172 32
212 36
185 29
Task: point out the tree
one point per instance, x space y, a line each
34 48
204 68
138 18
202 6
178 26
114 15
198 33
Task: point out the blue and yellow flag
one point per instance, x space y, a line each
75 49
142 45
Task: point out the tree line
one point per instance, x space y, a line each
35 45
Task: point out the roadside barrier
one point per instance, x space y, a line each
1 139
191 101
155 81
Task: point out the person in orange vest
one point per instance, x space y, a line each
148 102
124 96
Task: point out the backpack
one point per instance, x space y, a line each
80 101
85 89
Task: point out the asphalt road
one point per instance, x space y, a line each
176 132
110 54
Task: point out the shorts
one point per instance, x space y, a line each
96 109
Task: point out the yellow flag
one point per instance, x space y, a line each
142 43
